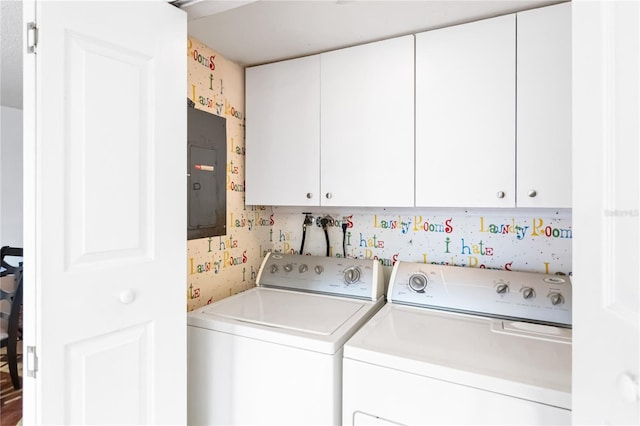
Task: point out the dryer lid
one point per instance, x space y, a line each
525 360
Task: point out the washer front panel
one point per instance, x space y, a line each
357 278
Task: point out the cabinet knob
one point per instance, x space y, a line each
500 194
309 195
328 195
532 193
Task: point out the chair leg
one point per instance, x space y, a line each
12 355
13 331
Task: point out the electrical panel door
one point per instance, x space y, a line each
207 201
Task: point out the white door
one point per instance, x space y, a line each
105 213
606 288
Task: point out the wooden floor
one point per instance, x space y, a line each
10 399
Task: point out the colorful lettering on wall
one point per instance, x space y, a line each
538 228
206 61
388 223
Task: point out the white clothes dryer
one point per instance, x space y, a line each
273 354
463 346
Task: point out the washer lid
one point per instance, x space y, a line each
288 310
313 321
525 360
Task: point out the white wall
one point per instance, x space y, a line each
11 177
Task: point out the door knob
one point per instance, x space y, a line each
127 296
628 387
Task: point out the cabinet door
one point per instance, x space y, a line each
283 133
367 124
465 115
544 107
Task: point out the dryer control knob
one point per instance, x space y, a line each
303 268
556 299
273 269
418 282
288 267
318 269
502 288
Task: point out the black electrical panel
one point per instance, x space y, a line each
206 175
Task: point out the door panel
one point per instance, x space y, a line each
105 209
107 151
104 361
606 315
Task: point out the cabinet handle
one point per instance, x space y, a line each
500 194
309 195
532 193
328 195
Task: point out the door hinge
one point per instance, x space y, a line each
32 361
32 37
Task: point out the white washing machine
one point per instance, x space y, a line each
466 346
273 354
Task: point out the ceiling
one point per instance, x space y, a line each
256 32
251 32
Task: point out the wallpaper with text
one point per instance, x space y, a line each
534 240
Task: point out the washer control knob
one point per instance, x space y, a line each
556 299
351 275
288 267
528 293
303 268
318 269
273 269
418 282
502 288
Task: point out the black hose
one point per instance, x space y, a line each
324 222
304 234
326 236
344 239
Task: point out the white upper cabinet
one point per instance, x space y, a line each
367 124
544 107
492 122
465 115
334 129
283 133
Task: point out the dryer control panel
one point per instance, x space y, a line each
525 296
359 278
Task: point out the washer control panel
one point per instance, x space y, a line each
357 278
507 294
